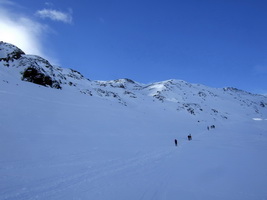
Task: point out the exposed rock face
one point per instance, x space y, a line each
33 68
33 75
9 52
195 100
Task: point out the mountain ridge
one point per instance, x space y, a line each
63 136
194 99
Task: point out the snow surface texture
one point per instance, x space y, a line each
83 139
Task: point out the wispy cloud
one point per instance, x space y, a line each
49 4
21 31
27 32
55 15
6 2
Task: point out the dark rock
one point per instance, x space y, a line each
10 52
36 76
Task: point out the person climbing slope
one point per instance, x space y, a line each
189 137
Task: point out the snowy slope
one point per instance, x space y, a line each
196 99
68 137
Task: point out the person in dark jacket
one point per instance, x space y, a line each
189 137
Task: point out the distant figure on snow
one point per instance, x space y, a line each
189 137
175 141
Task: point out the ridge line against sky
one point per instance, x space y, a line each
216 43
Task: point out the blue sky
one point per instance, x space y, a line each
217 43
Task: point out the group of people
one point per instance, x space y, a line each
210 127
189 137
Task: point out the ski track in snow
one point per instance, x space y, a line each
53 186
63 145
94 176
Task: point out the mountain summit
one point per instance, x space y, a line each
194 99
63 136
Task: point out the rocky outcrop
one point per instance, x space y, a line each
197 101
33 75
9 52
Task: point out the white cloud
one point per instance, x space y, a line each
25 31
22 32
55 15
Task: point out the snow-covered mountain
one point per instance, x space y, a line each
201 101
63 136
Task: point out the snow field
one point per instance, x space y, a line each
58 144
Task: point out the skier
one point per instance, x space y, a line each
189 137
175 141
